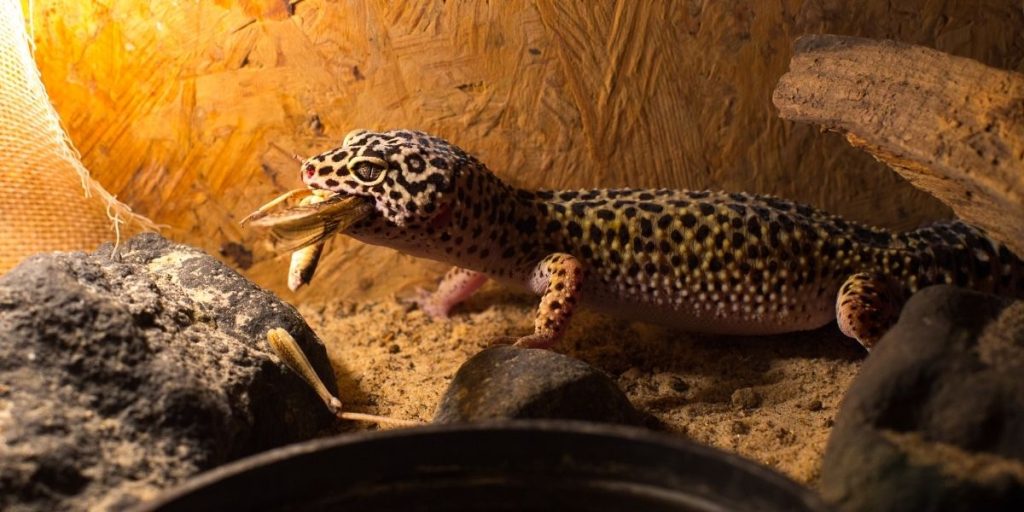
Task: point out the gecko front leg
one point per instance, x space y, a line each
559 280
456 286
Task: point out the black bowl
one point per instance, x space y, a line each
525 465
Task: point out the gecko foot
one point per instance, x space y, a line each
502 340
536 341
427 302
455 287
528 341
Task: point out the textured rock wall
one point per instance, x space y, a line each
189 111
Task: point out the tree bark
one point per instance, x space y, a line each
949 125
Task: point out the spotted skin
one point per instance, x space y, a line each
868 304
729 263
558 279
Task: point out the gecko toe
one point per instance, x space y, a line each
535 341
424 300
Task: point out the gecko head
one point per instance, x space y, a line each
409 176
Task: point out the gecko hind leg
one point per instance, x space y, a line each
559 280
456 286
868 304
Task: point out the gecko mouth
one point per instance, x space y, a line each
318 215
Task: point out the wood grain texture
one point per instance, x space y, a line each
189 111
951 126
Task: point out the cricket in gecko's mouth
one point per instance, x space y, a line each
305 228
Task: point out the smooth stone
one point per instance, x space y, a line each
509 382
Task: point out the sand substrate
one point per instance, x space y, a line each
772 399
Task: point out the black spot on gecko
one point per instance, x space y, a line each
646 228
692 262
702 232
754 226
623 235
575 230
526 224
778 204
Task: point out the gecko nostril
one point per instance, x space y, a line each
310 170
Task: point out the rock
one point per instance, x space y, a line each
669 384
935 420
122 376
512 382
746 398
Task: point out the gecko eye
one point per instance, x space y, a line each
368 171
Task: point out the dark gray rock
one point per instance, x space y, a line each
510 382
119 377
935 420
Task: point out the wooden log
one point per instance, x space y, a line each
949 125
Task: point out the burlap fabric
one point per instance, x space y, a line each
47 199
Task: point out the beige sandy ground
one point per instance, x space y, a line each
772 399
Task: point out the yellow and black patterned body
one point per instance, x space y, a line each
703 261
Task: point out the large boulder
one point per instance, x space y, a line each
935 420
122 373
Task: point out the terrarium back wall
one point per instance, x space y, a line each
190 111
